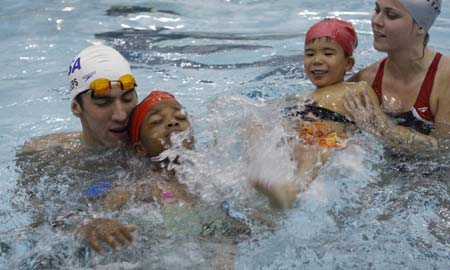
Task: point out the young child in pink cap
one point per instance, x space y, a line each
322 124
154 123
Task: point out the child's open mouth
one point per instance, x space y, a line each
319 73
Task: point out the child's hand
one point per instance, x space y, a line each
109 231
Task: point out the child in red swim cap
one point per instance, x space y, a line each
328 56
153 122
329 46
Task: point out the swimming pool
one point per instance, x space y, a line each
220 59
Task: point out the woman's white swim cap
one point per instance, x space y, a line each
97 61
424 12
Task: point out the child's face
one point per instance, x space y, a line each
161 121
325 62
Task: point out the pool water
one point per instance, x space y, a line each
223 60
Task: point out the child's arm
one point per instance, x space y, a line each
309 159
116 199
281 195
282 191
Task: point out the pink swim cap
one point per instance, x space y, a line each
142 109
340 31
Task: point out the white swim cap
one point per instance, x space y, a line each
97 61
424 12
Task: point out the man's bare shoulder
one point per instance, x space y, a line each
67 140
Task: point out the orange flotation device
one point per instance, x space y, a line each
320 133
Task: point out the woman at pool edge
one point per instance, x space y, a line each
412 82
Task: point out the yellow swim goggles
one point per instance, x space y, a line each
102 86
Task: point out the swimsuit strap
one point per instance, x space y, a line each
319 112
378 81
422 104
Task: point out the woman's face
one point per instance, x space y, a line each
393 27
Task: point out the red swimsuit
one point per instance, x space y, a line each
420 116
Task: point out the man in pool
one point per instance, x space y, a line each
103 96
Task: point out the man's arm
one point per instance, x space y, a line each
109 231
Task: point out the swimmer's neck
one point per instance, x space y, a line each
89 144
332 85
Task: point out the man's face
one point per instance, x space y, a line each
105 118
161 121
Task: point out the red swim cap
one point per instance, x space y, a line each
340 31
142 109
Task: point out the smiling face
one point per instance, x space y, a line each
164 119
393 27
105 118
325 62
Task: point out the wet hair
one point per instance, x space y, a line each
425 43
425 40
79 99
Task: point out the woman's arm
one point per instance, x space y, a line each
395 135
367 114
441 129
